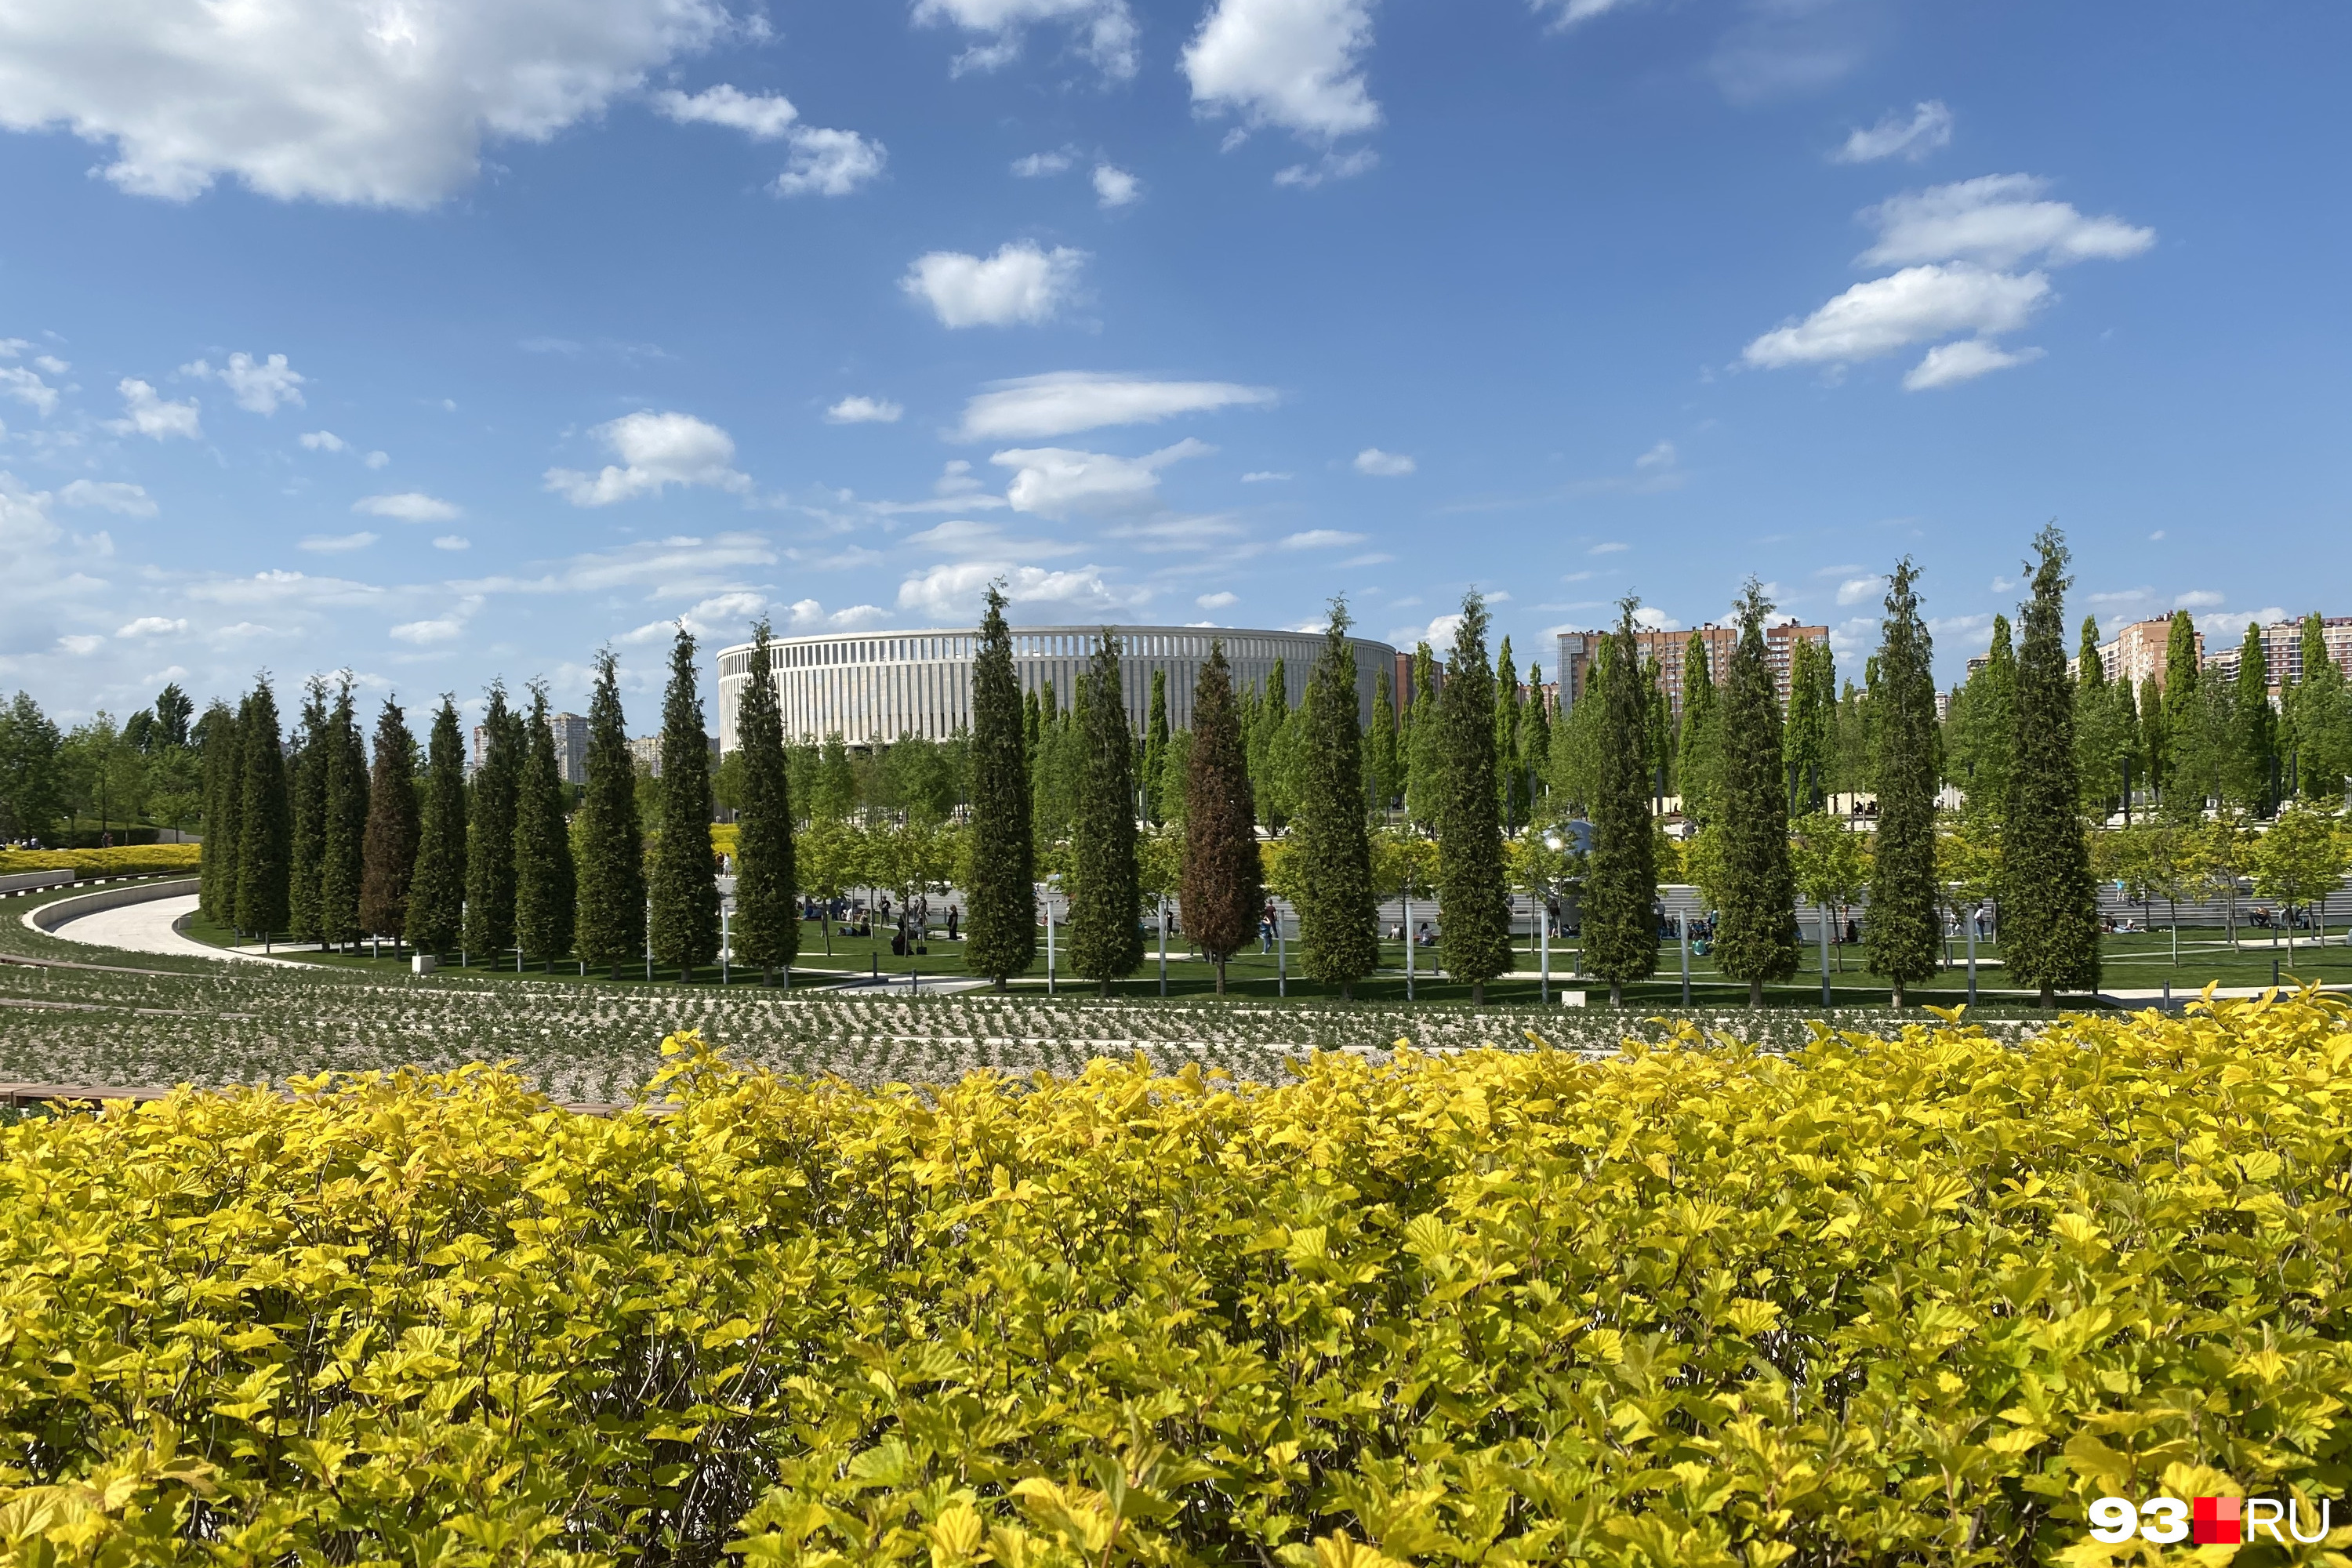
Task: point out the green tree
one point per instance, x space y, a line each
1002 887
1904 934
2300 860
436 895
685 884
1384 763
2322 718
307 847
1510 787
1270 718
1338 938
1223 870
1534 742
264 817
612 854
1175 776
1700 762
1105 943
546 898
223 756
2100 735
1423 745
490 835
767 929
2048 907
1155 745
1620 922
30 799
388 849
1756 938
343 847
174 710
2154 736
1831 863
1810 736
2183 721
2254 740
1991 737
1473 910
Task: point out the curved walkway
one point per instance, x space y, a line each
150 925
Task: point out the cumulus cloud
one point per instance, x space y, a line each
257 386
1609 547
408 506
820 163
1067 402
453 541
1037 165
1571 12
1217 600
1021 284
1902 309
130 500
1102 31
1330 166
1115 187
1948 364
1055 481
950 594
1997 220
81 643
864 411
152 627
27 387
1265 476
808 616
1653 618
2198 599
1296 64
376 105
1858 590
336 543
764 117
1929 130
146 413
1383 465
655 450
963 537
328 441
1320 539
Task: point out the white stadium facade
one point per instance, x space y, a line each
878 686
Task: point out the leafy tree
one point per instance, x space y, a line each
1810 735
224 754
1904 935
2300 860
2154 735
767 912
2322 718
1830 864
1175 776
1620 922
1384 763
1756 938
436 895
490 837
1269 721
264 816
1155 744
546 895
1661 749
1002 887
1577 746
388 849
307 783
1700 762
2049 908
2182 718
612 841
1992 728
1105 941
685 884
2254 740
173 711
1221 890
2099 733
2222 856
1475 914
837 783
1338 941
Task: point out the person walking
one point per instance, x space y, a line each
954 915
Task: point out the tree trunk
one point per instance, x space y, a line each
1898 993
1616 993
1477 994
1347 991
768 974
1000 984
616 970
686 975
1221 976
1104 991
1756 994
2049 995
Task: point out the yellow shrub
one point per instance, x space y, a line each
132 861
1912 1301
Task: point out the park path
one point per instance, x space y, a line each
148 926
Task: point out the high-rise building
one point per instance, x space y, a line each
570 732
2136 652
2283 648
1579 650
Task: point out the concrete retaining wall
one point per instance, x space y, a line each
48 917
33 881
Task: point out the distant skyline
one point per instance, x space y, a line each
482 333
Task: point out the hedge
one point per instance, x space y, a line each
1911 1301
128 862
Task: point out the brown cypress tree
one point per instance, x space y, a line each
2049 904
1221 893
388 854
436 894
1339 936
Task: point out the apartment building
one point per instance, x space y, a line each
1579 650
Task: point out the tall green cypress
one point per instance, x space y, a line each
1155 745
1221 891
1621 880
1423 745
1806 738
1384 763
1700 762
1992 730
343 847
1473 911
307 783
1906 933
1535 739
388 852
2322 718
1510 787
685 884
436 894
490 828
612 926
2253 739
224 754
1002 920
1756 940
2048 905
1106 942
767 931
544 889
2155 734
1339 935
1662 729
264 818
2183 713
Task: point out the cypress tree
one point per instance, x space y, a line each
263 818
2183 713
1003 919
2322 718
1155 745
307 783
1384 763
767 918
2254 740
1755 938
388 853
1106 942
837 780
490 823
1221 892
1906 933
2049 906
1474 912
1423 746
1700 759
344 846
545 899
224 754
1662 729
685 884
1992 729
436 895
611 923
1339 935
2154 734
1621 880
1535 738
1806 737
1510 788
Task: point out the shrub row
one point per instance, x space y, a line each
1911 1300
127 862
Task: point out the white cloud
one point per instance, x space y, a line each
864 411
424 634
1609 547
1115 187
950 594
453 541
152 627
1858 590
1929 130
81 644
27 387
1103 30
1264 476
1330 166
1055 481
1948 364
830 164
808 616
130 500
963 537
1376 558
1292 63
1036 165
147 413
409 505
764 117
1383 465
384 105
1320 539
1217 600
258 387
324 441
1660 455
1997 221
1067 402
1574 11
335 543
655 450
1655 619
1020 284
2199 599
1904 308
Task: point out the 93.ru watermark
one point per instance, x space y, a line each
2207 1521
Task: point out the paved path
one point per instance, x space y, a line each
148 927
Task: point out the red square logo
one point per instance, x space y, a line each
2214 1522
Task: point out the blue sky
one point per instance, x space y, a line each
441 339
